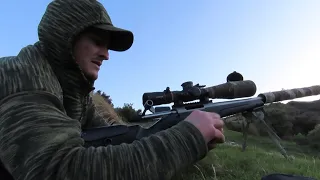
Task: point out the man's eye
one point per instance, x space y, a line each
99 42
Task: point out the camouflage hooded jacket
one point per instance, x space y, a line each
44 105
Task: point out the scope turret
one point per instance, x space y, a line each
234 76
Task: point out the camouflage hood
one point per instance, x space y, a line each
62 22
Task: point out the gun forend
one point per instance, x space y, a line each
232 90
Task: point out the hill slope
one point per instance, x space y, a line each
261 157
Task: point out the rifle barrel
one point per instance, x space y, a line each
289 94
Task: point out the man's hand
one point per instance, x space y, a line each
210 125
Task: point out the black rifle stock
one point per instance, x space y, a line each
115 135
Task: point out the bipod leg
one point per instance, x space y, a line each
245 129
260 114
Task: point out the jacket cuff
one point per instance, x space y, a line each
194 138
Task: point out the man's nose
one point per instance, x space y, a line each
104 53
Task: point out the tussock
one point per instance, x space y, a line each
106 110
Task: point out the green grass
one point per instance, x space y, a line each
262 157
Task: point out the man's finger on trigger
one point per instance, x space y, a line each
219 137
218 124
221 129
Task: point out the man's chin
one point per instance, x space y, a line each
91 77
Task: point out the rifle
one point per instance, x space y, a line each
182 107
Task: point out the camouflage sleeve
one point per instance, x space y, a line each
38 141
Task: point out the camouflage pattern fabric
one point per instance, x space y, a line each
44 103
289 94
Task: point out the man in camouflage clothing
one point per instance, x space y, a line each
44 104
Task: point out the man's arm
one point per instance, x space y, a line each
38 141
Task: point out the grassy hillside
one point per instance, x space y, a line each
261 157
297 121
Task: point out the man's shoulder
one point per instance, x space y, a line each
29 57
28 71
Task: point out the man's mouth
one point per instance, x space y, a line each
98 63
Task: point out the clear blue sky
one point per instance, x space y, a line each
274 43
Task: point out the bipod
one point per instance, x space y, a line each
258 117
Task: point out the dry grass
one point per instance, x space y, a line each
106 110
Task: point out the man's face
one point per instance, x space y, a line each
89 52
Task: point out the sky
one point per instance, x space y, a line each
274 43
